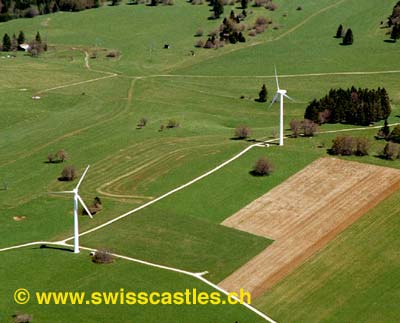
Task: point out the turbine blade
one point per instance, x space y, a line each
84 206
81 179
287 96
276 78
61 192
274 99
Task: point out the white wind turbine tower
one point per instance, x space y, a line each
76 199
280 93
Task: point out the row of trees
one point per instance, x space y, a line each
352 106
11 9
348 145
36 46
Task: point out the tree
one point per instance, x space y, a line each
218 8
38 38
262 167
21 38
262 96
395 134
395 33
295 126
50 158
68 173
14 43
244 3
115 2
309 128
242 132
62 155
362 147
343 145
6 43
391 151
384 132
348 37
339 32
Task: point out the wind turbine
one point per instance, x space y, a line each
77 199
280 93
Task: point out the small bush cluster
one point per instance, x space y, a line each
229 32
348 145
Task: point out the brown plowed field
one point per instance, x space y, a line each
303 214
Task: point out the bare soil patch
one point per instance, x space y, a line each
303 214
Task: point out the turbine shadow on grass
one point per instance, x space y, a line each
43 246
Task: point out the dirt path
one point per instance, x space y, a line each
303 214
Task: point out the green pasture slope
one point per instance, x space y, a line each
96 124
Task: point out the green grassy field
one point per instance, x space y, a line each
95 123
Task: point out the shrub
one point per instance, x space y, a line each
22 318
263 167
259 29
142 122
299 8
95 207
252 33
50 158
103 257
68 173
199 43
172 123
62 155
199 32
261 21
271 6
161 128
112 54
242 132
